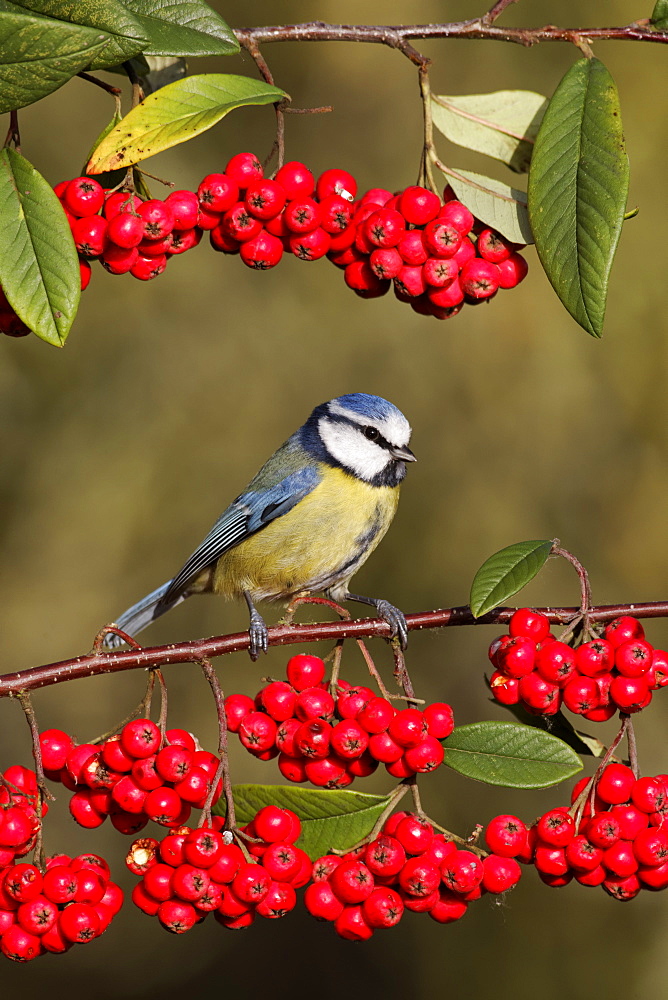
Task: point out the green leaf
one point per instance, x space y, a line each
183 28
38 55
558 725
124 33
505 753
39 268
578 184
329 819
659 16
506 572
176 113
500 206
503 124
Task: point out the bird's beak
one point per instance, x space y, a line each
404 454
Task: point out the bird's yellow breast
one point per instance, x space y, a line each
316 546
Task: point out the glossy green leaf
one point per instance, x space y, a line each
559 725
578 184
506 572
38 55
503 124
176 113
124 32
183 28
39 268
659 16
500 206
505 753
329 819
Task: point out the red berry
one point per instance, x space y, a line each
336 182
556 827
516 658
440 719
376 715
595 657
90 235
633 658
244 168
505 689
262 251
442 239
184 239
251 883
457 215
83 196
624 629
55 746
239 224
265 199
257 732
386 263
310 246
314 703
581 694
327 772
348 739
158 219
19 945
603 830
438 272
352 882
412 248
512 270
479 278
274 825
292 768
649 794
426 756
500 873
493 247
163 806
79 923
296 180
630 694
217 193
302 215
173 763
539 695
418 205
305 671
530 623
462 871
383 908
615 784
414 835
237 707
556 663
185 208
140 738
335 214
408 727
506 835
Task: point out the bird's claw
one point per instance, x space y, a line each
259 638
395 619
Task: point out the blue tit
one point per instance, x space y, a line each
307 521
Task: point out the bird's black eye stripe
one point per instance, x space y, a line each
368 430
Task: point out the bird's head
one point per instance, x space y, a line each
365 435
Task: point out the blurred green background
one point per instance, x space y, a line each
120 450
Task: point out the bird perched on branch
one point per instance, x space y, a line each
305 524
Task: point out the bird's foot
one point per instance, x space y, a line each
393 616
395 619
259 638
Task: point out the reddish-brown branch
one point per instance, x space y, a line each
289 634
397 36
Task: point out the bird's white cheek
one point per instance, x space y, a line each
349 447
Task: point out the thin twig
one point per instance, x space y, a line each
223 771
42 791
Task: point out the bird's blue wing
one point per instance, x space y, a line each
249 513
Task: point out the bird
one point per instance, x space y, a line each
305 524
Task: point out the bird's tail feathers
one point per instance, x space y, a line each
142 614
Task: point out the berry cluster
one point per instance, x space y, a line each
131 777
621 842
19 819
407 867
194 872
72 902
330 741
617 672
125 233
435 252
